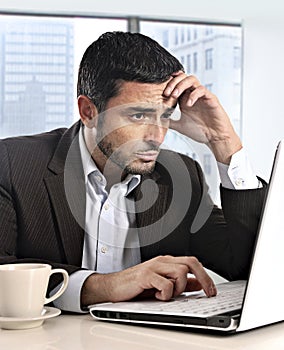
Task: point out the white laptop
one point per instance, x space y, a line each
239 305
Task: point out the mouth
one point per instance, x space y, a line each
147 156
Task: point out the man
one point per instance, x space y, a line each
103 201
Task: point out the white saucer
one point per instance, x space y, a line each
24 323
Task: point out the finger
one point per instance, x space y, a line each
164 287
174 272
195 95
195 267
175 74
179 84
203 278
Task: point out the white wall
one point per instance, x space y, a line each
263 23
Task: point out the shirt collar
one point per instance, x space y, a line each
89 166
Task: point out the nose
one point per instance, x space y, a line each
155 134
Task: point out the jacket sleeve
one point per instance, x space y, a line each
10 252
225 241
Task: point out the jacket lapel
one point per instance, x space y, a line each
150 202
66 188
163 200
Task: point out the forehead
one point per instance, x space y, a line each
131 92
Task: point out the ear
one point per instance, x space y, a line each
88 111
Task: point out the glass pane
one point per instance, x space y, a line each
213 54
39 60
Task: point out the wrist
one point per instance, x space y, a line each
223 150
94 290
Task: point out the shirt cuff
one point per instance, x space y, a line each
239 174
70 300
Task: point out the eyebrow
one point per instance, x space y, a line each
139 109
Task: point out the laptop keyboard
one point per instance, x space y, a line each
229 298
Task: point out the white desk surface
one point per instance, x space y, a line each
82 332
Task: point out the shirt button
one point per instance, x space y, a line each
99 178
106 207
103 250
239 182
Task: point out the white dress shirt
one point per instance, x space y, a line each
109 227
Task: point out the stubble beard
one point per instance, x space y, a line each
141 168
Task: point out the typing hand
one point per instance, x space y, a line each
166 276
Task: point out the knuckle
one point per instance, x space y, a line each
183 269
161 258
158 258
194 261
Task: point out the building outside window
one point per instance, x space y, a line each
176 33
208 59
237 57
182 35
188 63
195 62
188 31
37 60
39 57
165 38
209 86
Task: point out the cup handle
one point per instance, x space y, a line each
64 285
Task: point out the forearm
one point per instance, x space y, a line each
95 290
225 146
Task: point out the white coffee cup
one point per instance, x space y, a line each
23 289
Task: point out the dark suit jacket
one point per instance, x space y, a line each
42 208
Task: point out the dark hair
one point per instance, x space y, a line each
121 56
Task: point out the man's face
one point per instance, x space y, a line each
131 130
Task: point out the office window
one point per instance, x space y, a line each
188 31
237 57
188 64
195 62
165 38
209 86
208 30
182 35
176 36
39 59
208 59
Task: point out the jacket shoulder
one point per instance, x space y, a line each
30 152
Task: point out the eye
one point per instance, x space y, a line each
137 116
